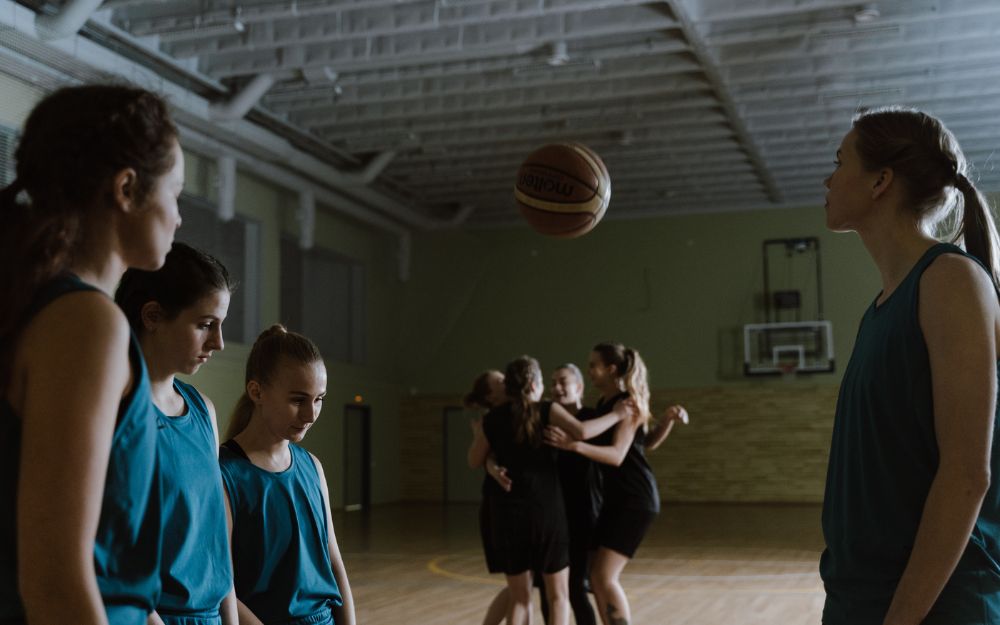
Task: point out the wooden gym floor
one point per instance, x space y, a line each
699 565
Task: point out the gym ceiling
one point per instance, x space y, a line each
428 106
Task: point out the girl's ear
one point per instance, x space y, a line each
151 314
123 189
882 183
253 391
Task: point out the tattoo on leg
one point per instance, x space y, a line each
613 617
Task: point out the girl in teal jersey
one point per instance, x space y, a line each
287 565
911 514
98 175
177 313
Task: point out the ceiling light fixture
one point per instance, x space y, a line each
867 14
560 54
238 24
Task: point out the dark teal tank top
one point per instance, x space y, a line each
883 458
127 544
195 567
281 561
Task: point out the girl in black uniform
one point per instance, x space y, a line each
631 499
580 482
487 393
528 532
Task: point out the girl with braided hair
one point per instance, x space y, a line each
911 515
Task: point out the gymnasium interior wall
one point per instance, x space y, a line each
677 288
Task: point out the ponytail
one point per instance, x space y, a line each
240 418
518 378
978 230
262 363
637 382
926 156
631 372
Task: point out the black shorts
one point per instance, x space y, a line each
622 529
530 537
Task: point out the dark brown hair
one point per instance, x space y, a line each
926 157
518 377
74 142
262 363
478 396
186 277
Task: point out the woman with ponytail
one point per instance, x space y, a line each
529 531
177 313
98 173
912 505
631 497
287 566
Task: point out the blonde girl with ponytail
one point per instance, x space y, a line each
631 499
286 563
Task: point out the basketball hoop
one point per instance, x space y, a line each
788 370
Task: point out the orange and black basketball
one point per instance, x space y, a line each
563 189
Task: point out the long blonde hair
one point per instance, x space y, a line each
631 370
517 381
265 356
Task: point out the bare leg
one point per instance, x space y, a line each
557 591
497 611
611 600
519 604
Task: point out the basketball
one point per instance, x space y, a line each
563 189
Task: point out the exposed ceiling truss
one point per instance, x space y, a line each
695 105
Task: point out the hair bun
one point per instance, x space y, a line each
274 330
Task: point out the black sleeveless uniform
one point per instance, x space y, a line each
631 497
490 490
580 479
529 532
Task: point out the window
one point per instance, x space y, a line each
235 243
322 296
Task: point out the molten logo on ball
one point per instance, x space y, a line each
563 189
547 182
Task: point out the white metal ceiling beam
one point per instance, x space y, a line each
520 31
902 14
649 141
579 80
467 42
664 158
591 52
733 10
744 138
67 21
795 67
434 112
82 58
829 114
576 130
362 20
